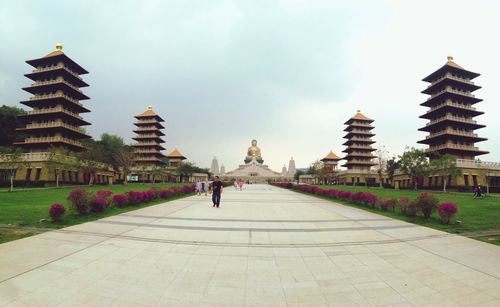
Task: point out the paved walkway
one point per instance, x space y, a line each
264 246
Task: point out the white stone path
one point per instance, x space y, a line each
264 246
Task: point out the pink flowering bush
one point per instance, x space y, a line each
386 204
107 195
164 194
80 200
56 212
446 211
120 200
98 205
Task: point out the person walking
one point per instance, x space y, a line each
198 187
241 184
235 184
216 191
204 187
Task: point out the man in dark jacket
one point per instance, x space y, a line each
216 191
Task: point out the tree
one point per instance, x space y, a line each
297 174
124 158
381 163
91 160
9 121
415 164
483 173
60 157
111 145
185 170
391 166
11 159
446 167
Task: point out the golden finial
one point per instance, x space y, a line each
59 46
150 107
450 58
358 110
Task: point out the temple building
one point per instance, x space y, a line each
175 158
55 118
359 157
214 168
53 128
148 148
330 162
451 113
451 130
291 167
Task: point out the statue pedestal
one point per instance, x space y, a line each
250 159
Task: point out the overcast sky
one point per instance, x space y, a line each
287 73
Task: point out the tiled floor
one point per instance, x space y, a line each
265 246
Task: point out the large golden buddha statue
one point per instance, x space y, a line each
254 153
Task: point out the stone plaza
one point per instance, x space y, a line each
265 246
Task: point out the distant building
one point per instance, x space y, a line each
291 167
147 148
359 157
175 158
214 168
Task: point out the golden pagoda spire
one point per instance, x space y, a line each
450 58
59 46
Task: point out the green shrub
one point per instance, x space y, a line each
426 203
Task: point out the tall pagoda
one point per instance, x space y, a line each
55 118
148 148
451 115
359 140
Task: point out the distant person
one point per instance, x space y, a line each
236 184
204 187
478 192
216 191
241 184
198 188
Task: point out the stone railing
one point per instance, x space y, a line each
454 118
451 91
453 104
453 146
478 164
41 97
53 139
46 156
38 83
451 131
450 76
56 124
54 67
52 110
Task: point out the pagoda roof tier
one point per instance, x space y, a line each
176 154
51 99
358 117
450 120
53 113
358 163
451 134
354 133
149 123
455 149
56 71
354 139
359 154
331 157
151 130
54 86
452 95
360 148
148 159
148 145
448 106
48 142
453 82
55 57
365 128
64 128
149 113
148 137
451 67
155 153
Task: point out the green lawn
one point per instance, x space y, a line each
475 214
29 208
